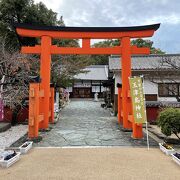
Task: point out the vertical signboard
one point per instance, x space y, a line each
138 102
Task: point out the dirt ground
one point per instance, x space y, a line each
93 163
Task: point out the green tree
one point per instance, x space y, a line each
23 11
103 59
107 43
147 43
169 121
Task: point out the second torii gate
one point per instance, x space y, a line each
46 49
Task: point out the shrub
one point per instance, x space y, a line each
169 121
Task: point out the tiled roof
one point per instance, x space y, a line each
162 104
94 72
148 62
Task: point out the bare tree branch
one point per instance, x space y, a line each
16 68
167 71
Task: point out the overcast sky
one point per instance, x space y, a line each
125 13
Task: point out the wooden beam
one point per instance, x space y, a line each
142 50
84 50
31 50
72 50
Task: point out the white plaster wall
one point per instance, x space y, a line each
117 80
167 99
149 87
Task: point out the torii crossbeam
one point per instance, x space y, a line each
46 49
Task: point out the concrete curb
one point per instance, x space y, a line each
4 126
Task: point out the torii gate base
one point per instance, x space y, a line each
39 104
35 101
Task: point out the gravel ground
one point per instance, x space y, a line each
12 135
93 163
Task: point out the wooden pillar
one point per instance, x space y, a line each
45 73
126 73
119 86
33 123
137 131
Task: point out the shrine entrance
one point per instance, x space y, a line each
41 96
84 92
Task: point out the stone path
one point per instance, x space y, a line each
86 123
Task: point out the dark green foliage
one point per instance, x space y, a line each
23 11
169 121
107 43
103 59
147 43
26 11
99 59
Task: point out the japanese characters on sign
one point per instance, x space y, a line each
137 96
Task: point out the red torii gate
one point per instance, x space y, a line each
47 33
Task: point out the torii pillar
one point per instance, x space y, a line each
126 73
45 74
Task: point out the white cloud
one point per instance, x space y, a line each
115 12
123 13
51 4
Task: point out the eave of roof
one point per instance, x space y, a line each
144 62
150 55
86 29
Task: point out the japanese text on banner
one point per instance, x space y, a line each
137 96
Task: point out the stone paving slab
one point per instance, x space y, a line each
86 123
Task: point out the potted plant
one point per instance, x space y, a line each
166 148
176 157
24 148
8 158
